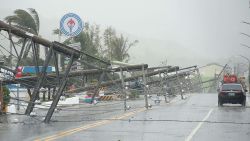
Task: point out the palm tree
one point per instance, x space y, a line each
108 35
116 48
89 39
119 47
27 20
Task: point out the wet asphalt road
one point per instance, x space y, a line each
198 118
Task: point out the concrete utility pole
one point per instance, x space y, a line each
37 88
147 74
59 55
96 90
1 98
59 92
124 92
179 84
145 88
166 85
10 46
18 101
200 80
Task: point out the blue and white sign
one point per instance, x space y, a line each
71 25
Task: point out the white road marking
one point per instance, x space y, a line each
198 126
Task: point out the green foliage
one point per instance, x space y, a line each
108 36
114 47
117 47
27 20
6 95
57 32
89 39
29 62
120 47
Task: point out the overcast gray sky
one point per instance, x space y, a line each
185 32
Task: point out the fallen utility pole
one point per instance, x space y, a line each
182 74
28 81
59 92
83 72
108 83
187 68
66 50
54 48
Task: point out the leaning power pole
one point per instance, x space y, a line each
145 86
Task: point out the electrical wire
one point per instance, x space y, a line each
96 113
27 44
8 51
2 35
2 52
55 85
152 120
22 115
95 105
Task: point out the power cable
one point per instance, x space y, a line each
8 51
151 120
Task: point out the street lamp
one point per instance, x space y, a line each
248 69
246 57
245 34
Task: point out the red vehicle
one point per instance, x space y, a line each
231 91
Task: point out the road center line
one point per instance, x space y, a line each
88 126
198 126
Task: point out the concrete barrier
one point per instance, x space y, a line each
106 98
120 96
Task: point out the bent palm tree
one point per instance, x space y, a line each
28 21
